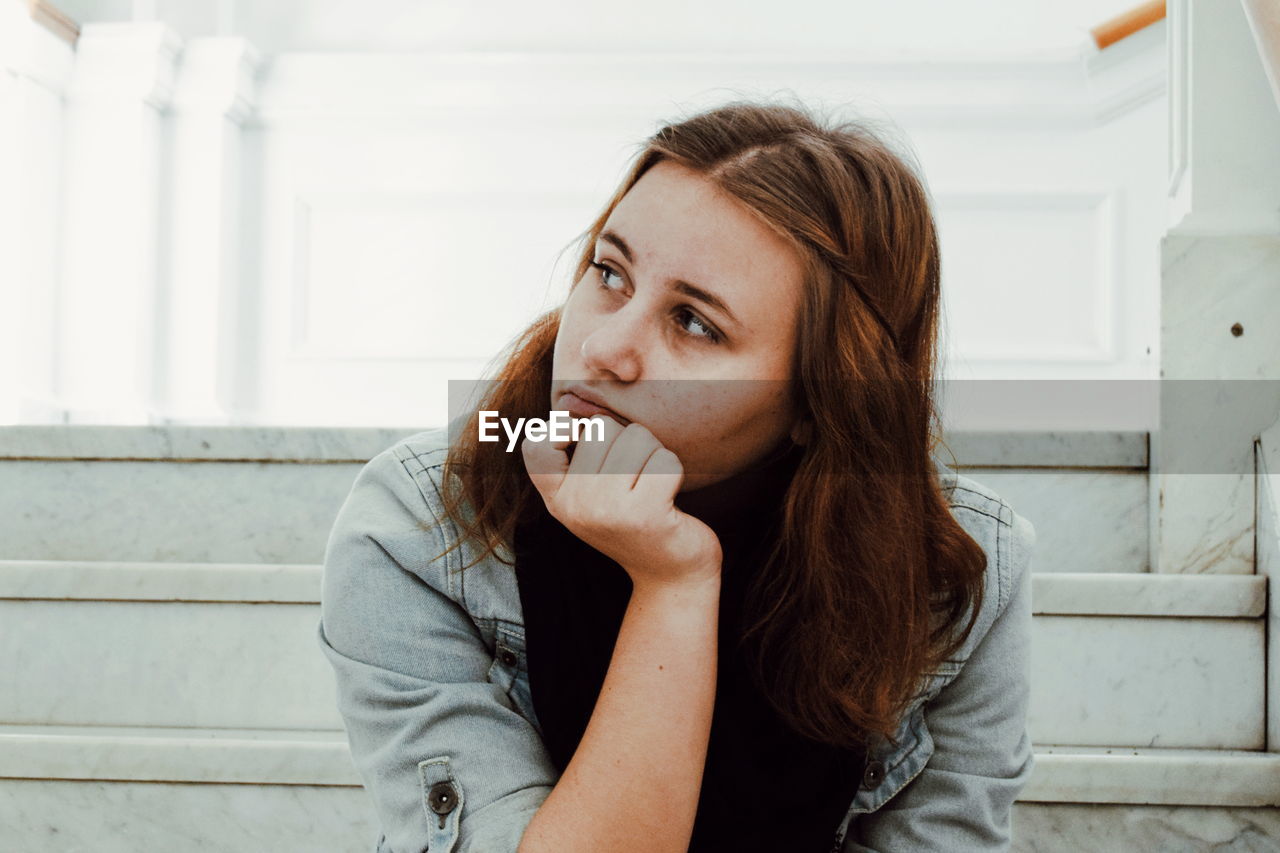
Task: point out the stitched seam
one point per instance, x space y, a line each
1002 561
972 491
436 527
1001 508
907 781
449 576
852 810
963 488
996 518
916 729
455 555
508 625
418 455
510 631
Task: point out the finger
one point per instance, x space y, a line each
567 441
660 478
546 465
579 427
630 451
589 453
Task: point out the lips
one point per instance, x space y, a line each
582 403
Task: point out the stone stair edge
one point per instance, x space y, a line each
1053 593
1139 775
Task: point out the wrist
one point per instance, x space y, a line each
703 579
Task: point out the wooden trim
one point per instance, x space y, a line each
54 20
1127 23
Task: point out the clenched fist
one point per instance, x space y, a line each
618 496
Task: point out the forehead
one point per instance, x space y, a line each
679 225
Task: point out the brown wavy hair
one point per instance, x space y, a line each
872 574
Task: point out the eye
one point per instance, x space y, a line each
708 332
605 271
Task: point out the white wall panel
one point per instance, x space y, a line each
1030 274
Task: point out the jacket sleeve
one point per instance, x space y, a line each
962 800
447 761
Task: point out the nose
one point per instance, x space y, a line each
616 346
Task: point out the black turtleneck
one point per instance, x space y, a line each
764 786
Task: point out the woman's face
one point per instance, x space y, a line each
686 323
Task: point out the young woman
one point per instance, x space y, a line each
753 612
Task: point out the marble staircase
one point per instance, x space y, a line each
162 689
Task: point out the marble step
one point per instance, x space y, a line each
270 494
142 817
1134 660
127 817
1063 774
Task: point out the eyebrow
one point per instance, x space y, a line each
680 285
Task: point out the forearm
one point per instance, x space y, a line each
634 781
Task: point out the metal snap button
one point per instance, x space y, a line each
873 775
507 656
442 798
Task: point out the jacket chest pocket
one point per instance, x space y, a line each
510 670
890 768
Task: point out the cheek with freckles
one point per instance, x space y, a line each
723 430
686 422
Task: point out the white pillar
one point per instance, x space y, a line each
195 367
121 86
12 31
35 66
1220 291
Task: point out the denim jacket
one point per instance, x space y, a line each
433 688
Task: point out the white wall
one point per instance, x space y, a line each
853 28
328 237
